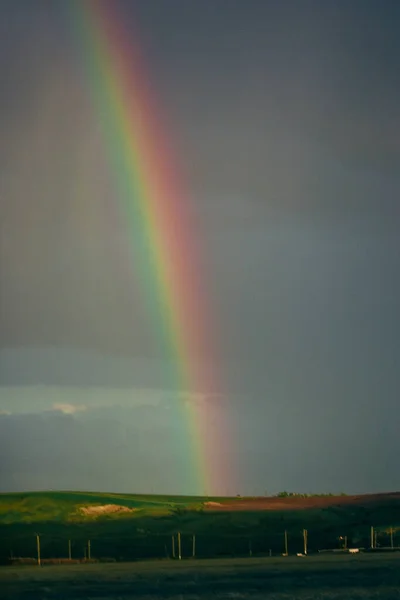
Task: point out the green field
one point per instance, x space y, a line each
346 577
147 531
63 506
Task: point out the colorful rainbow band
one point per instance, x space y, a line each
156 211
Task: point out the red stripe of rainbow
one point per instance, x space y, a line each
163 237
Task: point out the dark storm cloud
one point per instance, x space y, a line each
262 93
125 449
129 460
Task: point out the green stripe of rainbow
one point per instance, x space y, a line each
161 228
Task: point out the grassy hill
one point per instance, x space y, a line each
65 507
222 526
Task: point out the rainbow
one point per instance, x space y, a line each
156 211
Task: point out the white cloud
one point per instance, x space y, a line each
77 400
69 409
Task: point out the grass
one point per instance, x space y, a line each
317 578
62 506
146 532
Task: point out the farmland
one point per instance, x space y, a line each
320 577
230 547
125 527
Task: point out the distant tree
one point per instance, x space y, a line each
286 494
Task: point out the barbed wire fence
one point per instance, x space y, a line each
41 548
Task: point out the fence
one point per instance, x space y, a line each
51 548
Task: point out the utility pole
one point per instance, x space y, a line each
38 550
69 550
391 537
173 546
372 537
286 544
194 546
179 546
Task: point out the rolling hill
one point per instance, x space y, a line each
128 526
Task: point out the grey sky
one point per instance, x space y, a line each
285 118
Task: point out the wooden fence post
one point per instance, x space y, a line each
39 562
305 536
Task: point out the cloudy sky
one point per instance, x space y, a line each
284 116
